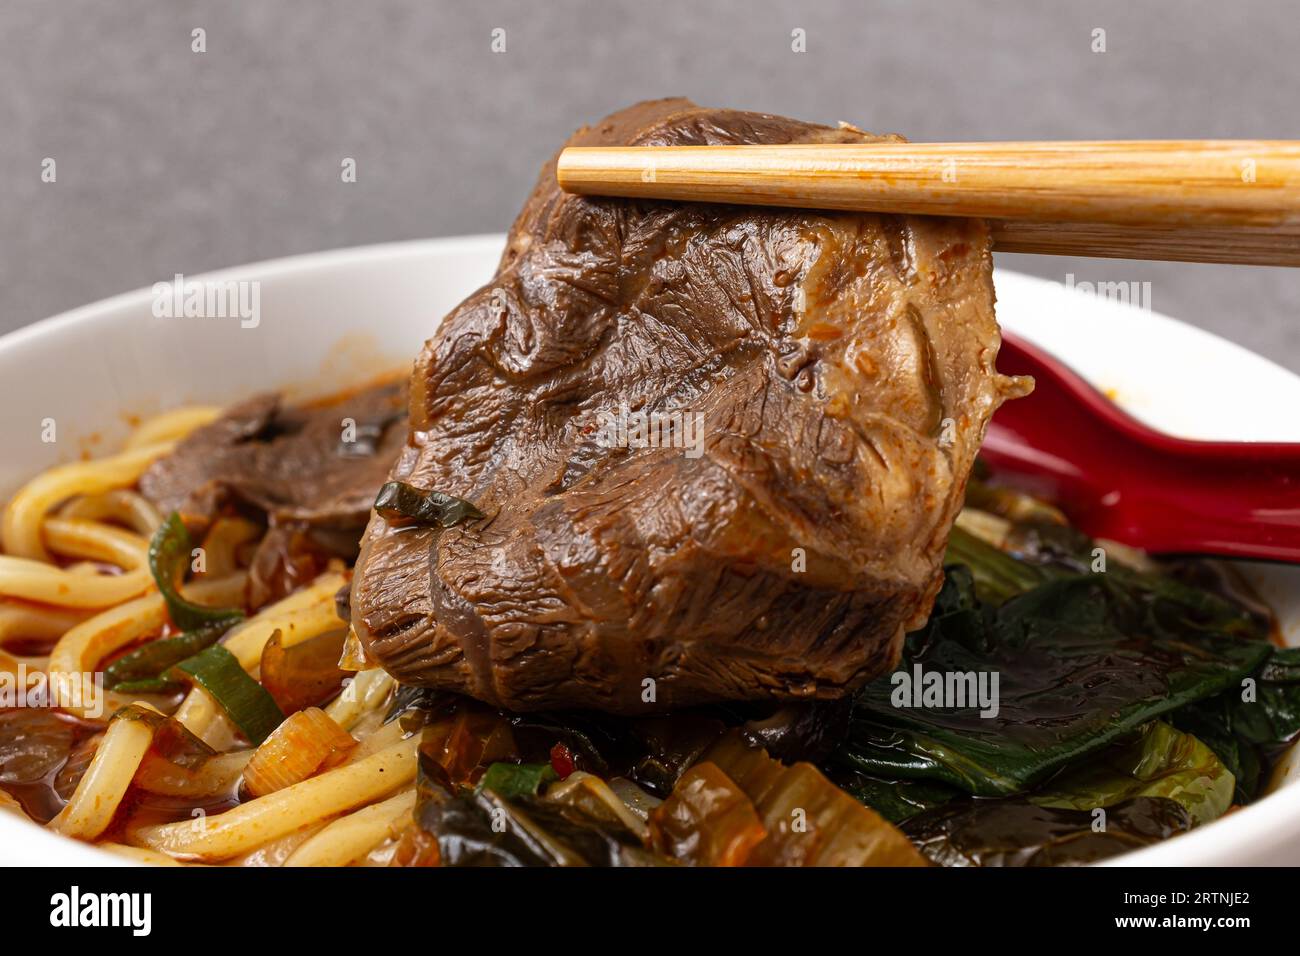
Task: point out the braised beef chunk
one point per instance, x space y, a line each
818 385
315 466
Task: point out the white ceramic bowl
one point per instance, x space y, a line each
337 318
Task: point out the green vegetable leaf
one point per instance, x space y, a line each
142 670
147 685
398 501
1250 724
1082 661
1018 833
482 828
1158 762
895 800
997 576
511 780
246 702
169 556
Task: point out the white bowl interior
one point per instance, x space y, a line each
336 319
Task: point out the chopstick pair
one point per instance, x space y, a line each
1233 201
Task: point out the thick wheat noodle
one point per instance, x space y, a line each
221 546
106 780
140 855
21 529
383 736
8 803
297 617
349 838
32 667
173 425
277 814
27 580
125 507
367 690
31 580
276 851
216 775
81 650
82 512
19 620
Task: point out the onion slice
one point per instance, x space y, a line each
302 745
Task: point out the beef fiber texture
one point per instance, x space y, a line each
821 383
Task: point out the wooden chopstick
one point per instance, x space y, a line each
1189 200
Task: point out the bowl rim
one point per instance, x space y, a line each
263 269
1269 820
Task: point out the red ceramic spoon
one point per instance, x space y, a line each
1118 479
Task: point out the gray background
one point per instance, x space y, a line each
171 161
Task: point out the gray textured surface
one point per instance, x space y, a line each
171 161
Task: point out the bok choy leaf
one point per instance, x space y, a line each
1082 660
1159 762
1018 833
1250 724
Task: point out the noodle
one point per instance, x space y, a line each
34 581
367 690
20 531
351 837
101 790
216 775
173 425
31 667
125 507
280 813
80 651
34 622
10 805
90 515
384 736
299 617
141 855
275 852
222 545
